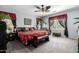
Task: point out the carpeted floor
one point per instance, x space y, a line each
55 45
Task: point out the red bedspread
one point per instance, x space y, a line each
27 36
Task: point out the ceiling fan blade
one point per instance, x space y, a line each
37 11
48 7
37 7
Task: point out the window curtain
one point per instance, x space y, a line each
51 22
12 15
66 29
13 18
11 27
40 23
63 22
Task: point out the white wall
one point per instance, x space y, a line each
20 20
72 28
19 16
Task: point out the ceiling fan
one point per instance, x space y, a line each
42 8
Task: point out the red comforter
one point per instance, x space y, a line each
27 36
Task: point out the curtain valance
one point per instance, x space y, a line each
59 17
12 15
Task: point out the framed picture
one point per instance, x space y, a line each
27 21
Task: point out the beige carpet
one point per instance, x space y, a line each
55 45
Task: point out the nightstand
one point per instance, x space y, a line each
11 36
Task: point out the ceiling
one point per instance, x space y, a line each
29 9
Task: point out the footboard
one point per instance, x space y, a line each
36 40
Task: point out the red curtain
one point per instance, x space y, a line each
61 17
58 17
12 15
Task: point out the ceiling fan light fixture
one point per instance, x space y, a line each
43 8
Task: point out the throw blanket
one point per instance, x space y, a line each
27 36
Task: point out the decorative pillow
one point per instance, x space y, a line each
20 29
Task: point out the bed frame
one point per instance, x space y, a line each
36 40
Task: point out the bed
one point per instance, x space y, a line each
33 36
